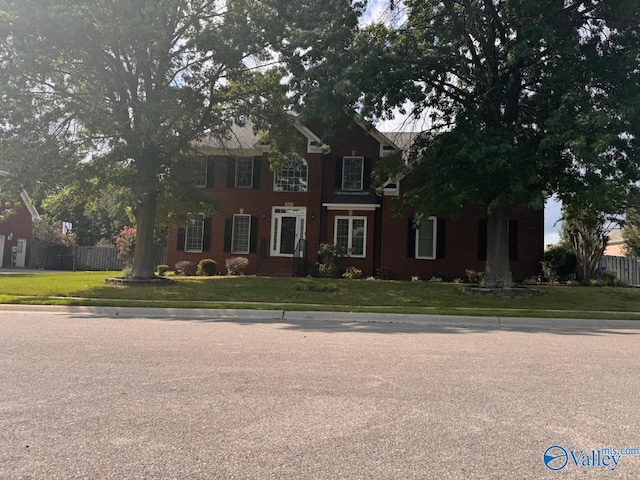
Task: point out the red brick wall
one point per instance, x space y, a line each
20 225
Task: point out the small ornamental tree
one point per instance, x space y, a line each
126 244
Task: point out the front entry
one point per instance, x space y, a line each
288 227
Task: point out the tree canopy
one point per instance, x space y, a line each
120 90
523 98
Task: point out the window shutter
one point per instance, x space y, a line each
206 236
513 240
253 240
411 238
339 173
441 239
482 239
210 170
228 231
257 164
366 174
181 235
231 173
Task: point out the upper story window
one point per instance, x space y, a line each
199 171
292 175
244 172
352 173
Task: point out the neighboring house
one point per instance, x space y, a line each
277 220
16 231
615 245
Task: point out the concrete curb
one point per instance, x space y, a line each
302 316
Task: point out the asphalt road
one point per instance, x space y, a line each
93 395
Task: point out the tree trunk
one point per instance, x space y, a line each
144 255
497 272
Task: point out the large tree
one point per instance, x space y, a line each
524 98
121 89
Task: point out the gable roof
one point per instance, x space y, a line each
35 216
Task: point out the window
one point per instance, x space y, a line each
199 170
426 239
350 234
244 172
292 176
194 233
352 173
240 238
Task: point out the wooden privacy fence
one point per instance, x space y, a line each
85 258
627 268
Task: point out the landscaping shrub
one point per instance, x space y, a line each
207 267
473 276
332 261
185 268
126 245
610 278
162 269
352 273
236 265
383 273
559 263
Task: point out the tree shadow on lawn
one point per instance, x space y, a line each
327 322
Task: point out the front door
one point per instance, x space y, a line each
288 227
21 255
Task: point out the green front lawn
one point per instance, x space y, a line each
88 288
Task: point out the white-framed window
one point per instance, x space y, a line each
352 173
241 234
426 238
244 172
292 175
350 233
194 233
199 171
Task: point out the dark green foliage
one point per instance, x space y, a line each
332 260
207 267
559 262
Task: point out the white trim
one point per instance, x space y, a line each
314 144
377 135
435 242
186 234
233 234
300 214
235 177
350 237
35 216
351 157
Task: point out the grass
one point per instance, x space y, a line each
88 288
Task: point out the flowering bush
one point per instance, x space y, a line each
236 265
126 245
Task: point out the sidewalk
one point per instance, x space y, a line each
451 321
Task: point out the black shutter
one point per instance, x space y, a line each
231 173
228 231
210 170
339 173
253 240
206 237
513 240
181 235
257 165
411 238
441 239
366 174
482 239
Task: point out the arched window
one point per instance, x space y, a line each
292 176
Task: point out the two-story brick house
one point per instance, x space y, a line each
277 220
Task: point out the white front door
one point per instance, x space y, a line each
21 255
288 227
1 250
